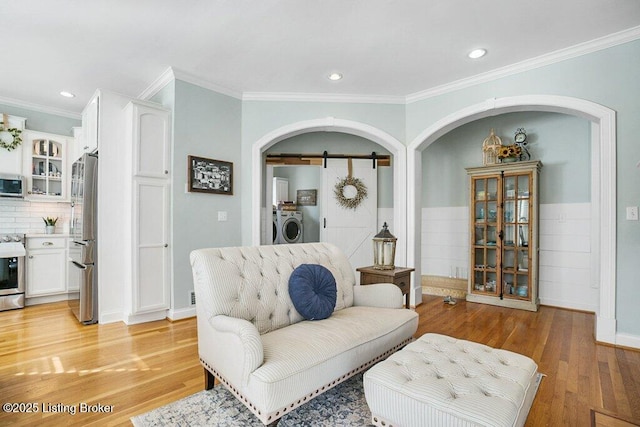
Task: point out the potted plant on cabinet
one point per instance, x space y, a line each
50 224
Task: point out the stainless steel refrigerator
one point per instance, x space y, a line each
83 251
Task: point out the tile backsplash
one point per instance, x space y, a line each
25 217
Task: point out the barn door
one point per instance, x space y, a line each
352 230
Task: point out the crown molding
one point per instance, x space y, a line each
585 48
531 64
190 78
173 73
158 84
40 108
323 97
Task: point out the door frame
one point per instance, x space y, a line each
603 187
331 124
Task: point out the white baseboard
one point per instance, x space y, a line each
628 340
133 319
112 317
181 313
552 302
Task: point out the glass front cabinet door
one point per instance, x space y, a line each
504 235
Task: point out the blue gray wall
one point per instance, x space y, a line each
561 142
217 126
262 117
608 77
44 122
205 124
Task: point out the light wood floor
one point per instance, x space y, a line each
47 358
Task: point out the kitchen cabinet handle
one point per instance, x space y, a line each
30 256
166 245
47 243
166 172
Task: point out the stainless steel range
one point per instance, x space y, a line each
11 272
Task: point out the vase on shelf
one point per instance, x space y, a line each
50 229
509 159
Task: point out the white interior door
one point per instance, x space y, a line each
352 230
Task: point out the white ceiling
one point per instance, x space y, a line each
383 47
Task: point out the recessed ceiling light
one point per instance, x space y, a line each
335 76
477 53
67 94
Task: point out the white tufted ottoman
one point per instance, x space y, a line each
442 381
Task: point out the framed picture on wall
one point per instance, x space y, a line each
210 176
306 197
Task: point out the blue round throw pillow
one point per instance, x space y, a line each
312 289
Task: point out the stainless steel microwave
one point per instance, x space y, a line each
12 186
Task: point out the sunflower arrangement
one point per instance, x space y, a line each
509 151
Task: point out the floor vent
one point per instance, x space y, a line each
193 298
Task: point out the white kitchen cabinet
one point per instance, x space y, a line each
46 266
152 140
77 150
45 165
151 282
148 187
90 119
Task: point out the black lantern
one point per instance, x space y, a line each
384 249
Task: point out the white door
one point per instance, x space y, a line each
352 230
151 254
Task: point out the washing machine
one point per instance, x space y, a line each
275 233
289 227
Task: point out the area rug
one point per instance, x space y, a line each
342 406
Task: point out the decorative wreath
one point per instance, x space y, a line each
15 134
354 202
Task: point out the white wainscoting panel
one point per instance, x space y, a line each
566 257
565 275
445 242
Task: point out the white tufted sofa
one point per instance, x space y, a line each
254 341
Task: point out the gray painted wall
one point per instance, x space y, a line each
205 124
561 142
217 126
341 143
262 117
607 77
44 122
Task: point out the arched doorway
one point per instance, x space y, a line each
603 188
331 124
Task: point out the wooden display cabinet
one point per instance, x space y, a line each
504 235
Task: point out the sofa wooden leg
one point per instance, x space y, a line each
273 423
209 380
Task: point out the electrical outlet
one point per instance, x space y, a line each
222 215
632 213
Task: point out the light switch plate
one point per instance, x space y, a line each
632 213
222 215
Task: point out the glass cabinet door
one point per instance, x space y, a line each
486 233
501 235
47 168
503 210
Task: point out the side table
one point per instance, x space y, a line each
399 276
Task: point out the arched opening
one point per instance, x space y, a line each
603 185
330 124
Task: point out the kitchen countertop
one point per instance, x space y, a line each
34 235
